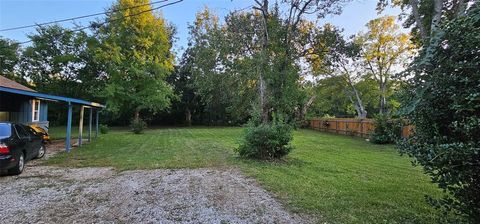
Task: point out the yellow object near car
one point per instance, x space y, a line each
42 132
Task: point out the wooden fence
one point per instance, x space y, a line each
349 126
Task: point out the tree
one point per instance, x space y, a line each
281 35
135 48
384 52
331 98
442 102
188 102
340 58
221 68
426 17
59 61
9 57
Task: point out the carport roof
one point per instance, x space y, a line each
45 96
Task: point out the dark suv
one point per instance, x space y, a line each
18 144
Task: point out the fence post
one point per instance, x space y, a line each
336 126
346 127
361 128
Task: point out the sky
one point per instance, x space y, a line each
15 13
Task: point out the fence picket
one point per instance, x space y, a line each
357 127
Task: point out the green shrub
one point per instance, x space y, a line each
444 106
103 128
138 126
386 130
266 141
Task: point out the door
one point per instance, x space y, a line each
35 140
25 142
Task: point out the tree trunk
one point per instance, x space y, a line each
305 107
137 114
435 35
418 21
383 99
358 103
361 111
263 7
382 104
188 117
263 103
461 9
437 16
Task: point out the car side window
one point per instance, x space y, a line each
31 131
21 132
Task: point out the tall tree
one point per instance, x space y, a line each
220 66
135 48
385 51
59 61
188 102
285 43
263 63
340 58
443 103
426 16
9 57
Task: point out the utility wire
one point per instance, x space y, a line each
112 20
80 17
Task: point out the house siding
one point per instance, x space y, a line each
25 115
19 110
43 111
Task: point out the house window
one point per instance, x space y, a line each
35 110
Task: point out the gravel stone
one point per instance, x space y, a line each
45 194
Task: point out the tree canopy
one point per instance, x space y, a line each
135 49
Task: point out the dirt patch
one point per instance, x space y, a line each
46 194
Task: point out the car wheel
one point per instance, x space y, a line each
41 152
18 169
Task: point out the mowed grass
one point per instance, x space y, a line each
338 179
159 148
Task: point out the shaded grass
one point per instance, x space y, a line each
159 148
60 132
340 179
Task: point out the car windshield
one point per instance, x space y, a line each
5 130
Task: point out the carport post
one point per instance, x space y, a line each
96 123
80 126
90 125
69 127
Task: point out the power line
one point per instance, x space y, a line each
80 17
112 20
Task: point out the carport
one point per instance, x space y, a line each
93 108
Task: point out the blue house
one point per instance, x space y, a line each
21 104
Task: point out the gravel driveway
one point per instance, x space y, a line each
44 194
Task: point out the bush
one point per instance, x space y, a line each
103 129
386 130
443 104
266 141
138 126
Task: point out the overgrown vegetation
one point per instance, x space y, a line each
387 130
444 105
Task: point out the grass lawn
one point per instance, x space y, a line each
60 132
340 179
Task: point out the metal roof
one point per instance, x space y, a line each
50 97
